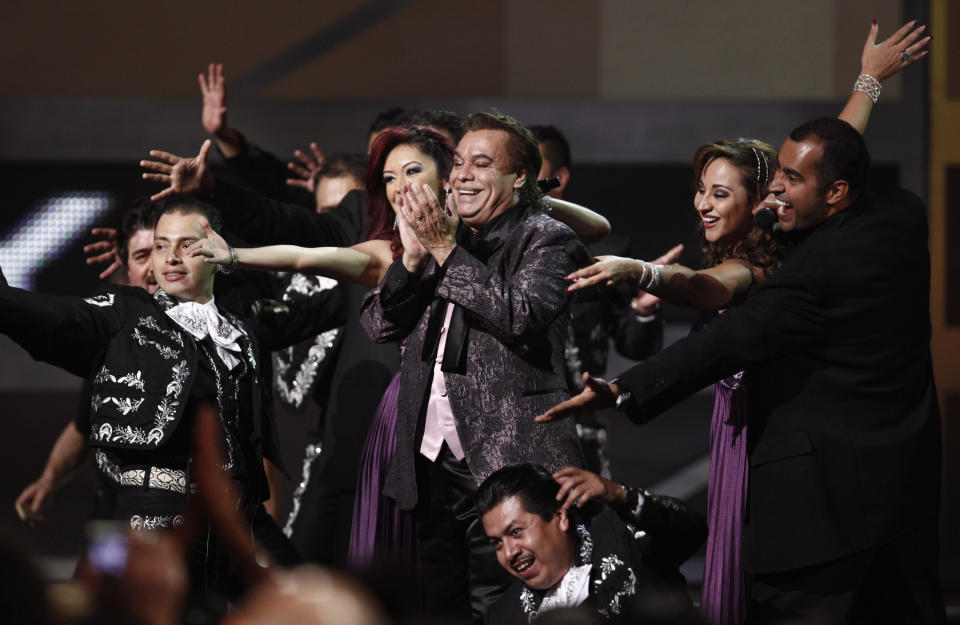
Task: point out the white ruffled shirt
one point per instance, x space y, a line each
204 320
572 590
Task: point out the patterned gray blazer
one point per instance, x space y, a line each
510 369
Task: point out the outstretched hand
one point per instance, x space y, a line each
181 174
214 89
596 393
104 251
578 486
607 270
883 60
213 247
309 165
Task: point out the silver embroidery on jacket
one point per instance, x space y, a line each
150 323
311 453
103 300
302 284
228 438
608 566
133 380
107 467
586 544
124 406
166 412
528 601
295 392
155 521
166 351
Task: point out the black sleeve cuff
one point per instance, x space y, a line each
627 404
398 284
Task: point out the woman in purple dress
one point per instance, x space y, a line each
732 178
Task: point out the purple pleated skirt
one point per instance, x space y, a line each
725 587
380 530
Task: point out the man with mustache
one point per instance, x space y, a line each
576 538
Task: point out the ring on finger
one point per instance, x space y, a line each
905 56
420 217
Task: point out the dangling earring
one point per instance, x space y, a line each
396 221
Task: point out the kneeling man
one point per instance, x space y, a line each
565 555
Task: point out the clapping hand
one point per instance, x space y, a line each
414 254
183 175
104 251
596 393
884 59
434 226
308 166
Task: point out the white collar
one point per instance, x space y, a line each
204 320
571 591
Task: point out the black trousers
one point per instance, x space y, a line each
461 575
321 528
896 583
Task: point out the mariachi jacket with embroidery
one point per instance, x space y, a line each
140 363
639 547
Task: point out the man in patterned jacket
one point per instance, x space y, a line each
484 308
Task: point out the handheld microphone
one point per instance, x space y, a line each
766 218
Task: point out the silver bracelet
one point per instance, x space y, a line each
868 85
546 204
234 261
654 276
644 274
649 276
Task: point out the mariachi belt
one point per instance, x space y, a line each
161 478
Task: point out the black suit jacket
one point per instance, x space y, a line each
844 434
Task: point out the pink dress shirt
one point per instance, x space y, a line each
439 426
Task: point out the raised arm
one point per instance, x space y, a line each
878 62
590 226
258 219
675 531
263 171
213 87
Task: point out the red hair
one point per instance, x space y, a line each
428 142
